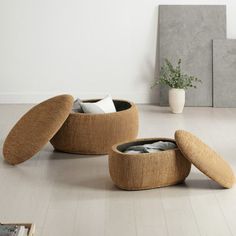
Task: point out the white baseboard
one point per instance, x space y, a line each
18 98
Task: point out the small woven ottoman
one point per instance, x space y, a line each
85 133
147 170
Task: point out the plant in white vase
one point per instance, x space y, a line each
178 83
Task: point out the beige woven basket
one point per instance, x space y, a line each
96 133
147 170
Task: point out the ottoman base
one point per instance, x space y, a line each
147 170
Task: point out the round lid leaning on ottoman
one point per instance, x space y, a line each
36 128
205 159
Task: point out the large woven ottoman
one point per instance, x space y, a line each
85 133
147 170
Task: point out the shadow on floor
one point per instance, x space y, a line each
92 173
199 181
59 155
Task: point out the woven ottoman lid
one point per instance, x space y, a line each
36 128
204 158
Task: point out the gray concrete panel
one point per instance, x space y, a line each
224 73
187 32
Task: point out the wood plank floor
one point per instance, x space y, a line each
72 195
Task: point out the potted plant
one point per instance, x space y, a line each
178 83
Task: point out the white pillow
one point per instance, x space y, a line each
77 106
105 105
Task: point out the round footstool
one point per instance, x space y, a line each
85 133
147 170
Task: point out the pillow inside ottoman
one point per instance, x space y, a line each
106 105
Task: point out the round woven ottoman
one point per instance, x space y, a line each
147 170
85 133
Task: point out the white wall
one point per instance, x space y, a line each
84 47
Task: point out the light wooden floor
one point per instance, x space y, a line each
68 195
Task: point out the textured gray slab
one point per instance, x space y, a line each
187 32
224 73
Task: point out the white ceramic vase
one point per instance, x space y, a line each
176 100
